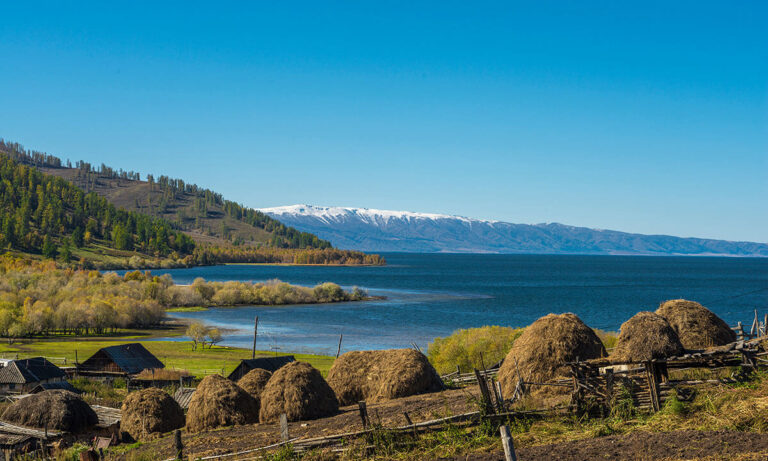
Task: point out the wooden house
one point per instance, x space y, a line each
271 364
23 375
125 359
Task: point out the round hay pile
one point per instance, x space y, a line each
543 350
218 402
254 382
375 376
695 325
299 391
150 412
646 336
55 409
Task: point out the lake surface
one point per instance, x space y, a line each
430 295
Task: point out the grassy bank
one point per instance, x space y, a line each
174 354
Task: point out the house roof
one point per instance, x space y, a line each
31 370
266 363
131 358
58 385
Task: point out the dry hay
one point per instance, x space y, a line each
695 325
543 350
299 391
218 402
375 376
254 382
646 336
150 412
55 409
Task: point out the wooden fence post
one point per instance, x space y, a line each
338 351
508 444
179 446
255 333
363 413
284 427
485 395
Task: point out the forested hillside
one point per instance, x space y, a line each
104 224
47 215
201 213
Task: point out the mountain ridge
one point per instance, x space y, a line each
368 229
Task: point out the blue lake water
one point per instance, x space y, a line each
431 295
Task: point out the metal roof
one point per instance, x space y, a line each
33 370
58 385
266 363
131 358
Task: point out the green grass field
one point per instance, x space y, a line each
174 354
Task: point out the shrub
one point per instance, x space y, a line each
472 348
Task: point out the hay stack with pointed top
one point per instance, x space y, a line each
646 336
148 413
254 383
298 390
544 348
55 409
218 402
375 376
695 325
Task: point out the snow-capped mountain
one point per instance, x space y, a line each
383 230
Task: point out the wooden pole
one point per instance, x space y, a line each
363 413
255 333
765 325
284 427
178 444
508 444
485 395
338 351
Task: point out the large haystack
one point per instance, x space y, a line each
299 391
543 350
218 402
150 412
695 325
375 376
254 382
56 409
646 336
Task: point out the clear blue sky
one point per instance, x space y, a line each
640 116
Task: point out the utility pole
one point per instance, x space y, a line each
255 332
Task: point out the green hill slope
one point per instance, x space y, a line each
46 215
202 214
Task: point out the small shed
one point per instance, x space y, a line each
183 396
271 364
59 385
23 375
121 359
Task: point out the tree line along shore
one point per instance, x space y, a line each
43 298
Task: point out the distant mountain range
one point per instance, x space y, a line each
402 231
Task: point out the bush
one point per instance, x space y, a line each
472 348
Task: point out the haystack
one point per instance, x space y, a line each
299 391
218 402
540 354
56 409
695 325
375 376
150 412
254 382
646 336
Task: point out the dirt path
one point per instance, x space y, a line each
645 446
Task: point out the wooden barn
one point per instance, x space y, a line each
266 363
23 375
126 359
